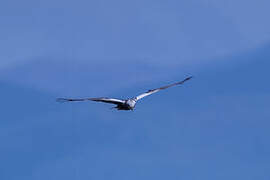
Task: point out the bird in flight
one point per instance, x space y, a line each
127 104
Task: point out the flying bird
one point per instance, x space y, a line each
127 104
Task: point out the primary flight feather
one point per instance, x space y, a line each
128 104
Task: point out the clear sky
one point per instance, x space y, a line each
215 126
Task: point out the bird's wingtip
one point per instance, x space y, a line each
188 78
61 100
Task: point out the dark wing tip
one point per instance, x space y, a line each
188 78
62 100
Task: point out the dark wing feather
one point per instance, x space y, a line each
103 99
174 84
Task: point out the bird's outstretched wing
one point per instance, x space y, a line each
102 99
149 92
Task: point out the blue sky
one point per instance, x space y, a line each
214 127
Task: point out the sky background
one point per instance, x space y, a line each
215 126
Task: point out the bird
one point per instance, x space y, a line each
124 104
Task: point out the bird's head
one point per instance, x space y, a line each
131 103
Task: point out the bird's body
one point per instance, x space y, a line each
128 104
